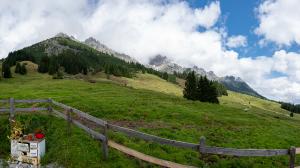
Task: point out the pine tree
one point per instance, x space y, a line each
18 67
44 65
53 65
206 91
200 91
212 93
189 91
6 71
221 89
23 70
165 76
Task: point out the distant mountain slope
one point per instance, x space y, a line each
162 63
92 42
75 57
238 85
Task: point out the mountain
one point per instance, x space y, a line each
238 85
80 57
92 42
162 63
75 57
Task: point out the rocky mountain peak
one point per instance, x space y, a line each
164 64
233 79
91 39
94 43
159 60
64 35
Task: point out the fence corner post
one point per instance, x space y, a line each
202 146
105 148
292 153
11 109
105 142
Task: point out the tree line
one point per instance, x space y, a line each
19 69
200 88
294 108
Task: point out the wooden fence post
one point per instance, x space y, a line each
292 152
69 121
202 147
50 109
12 109
105 142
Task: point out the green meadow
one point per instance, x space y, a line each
151 105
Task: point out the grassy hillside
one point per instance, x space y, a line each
234 99
234 123
154 83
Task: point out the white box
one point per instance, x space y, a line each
28 151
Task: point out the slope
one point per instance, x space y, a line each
75 57
169 116
151 82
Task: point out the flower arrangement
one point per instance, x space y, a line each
16 130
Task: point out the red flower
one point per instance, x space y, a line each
39 136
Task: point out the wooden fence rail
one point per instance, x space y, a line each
4 101
240 152
93 133
81 114
148 137
201 147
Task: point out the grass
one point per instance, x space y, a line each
75 150
152 82
234 123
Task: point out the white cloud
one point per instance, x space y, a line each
144 28
258 73
279 21
236 41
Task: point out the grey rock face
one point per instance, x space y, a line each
92 42
162 63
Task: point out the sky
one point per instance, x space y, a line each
257 40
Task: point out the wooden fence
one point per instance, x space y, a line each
201 147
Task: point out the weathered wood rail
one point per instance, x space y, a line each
201 147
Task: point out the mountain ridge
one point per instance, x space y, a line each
94 43
63 42
164 64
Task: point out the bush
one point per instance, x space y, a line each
6 73
18 68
